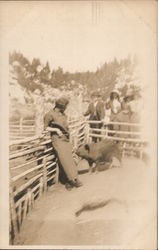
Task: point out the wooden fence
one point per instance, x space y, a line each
34 166
32 169
129 137
20 129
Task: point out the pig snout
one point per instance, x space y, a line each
83 151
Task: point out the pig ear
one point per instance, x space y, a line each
87 147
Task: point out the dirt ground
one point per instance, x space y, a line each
117 208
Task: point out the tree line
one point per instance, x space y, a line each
34 75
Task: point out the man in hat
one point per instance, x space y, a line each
96 112
55 121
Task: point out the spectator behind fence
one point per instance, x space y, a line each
113 107
135 108
123 117
55 121
96 112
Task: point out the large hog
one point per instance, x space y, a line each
105 151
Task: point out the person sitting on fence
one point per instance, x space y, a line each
55 121
96 112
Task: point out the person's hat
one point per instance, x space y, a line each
115 91
62 102
95 94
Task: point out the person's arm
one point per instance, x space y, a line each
47 120
49 129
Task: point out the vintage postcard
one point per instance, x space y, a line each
78 102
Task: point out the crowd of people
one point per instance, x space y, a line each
117 108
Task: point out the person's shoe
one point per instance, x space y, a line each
68 186
77 183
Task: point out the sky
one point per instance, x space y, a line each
78 35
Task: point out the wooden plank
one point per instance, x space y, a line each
28 151
50 157
115 131
22 199
19 214
29 193
115 123
24 186
15 178
35 188
82 137
27 163
76 125
24 140
25 207
50 172
23 126
12 209
44 174
41 186
51 165
81 134
46 142
48 150
52 177
116 138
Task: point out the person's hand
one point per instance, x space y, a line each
59 133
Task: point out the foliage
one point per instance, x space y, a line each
34 75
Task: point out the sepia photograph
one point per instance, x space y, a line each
78 88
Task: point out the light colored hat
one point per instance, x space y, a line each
115 91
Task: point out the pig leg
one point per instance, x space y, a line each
94 167
115 163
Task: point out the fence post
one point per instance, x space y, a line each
25 207
41 186
87 133
19 214
13 209
29 196
106 131
44 174
57 174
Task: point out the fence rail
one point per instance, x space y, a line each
31 171
21 129
34 166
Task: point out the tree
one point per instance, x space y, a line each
45 74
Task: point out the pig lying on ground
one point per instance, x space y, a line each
102 155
